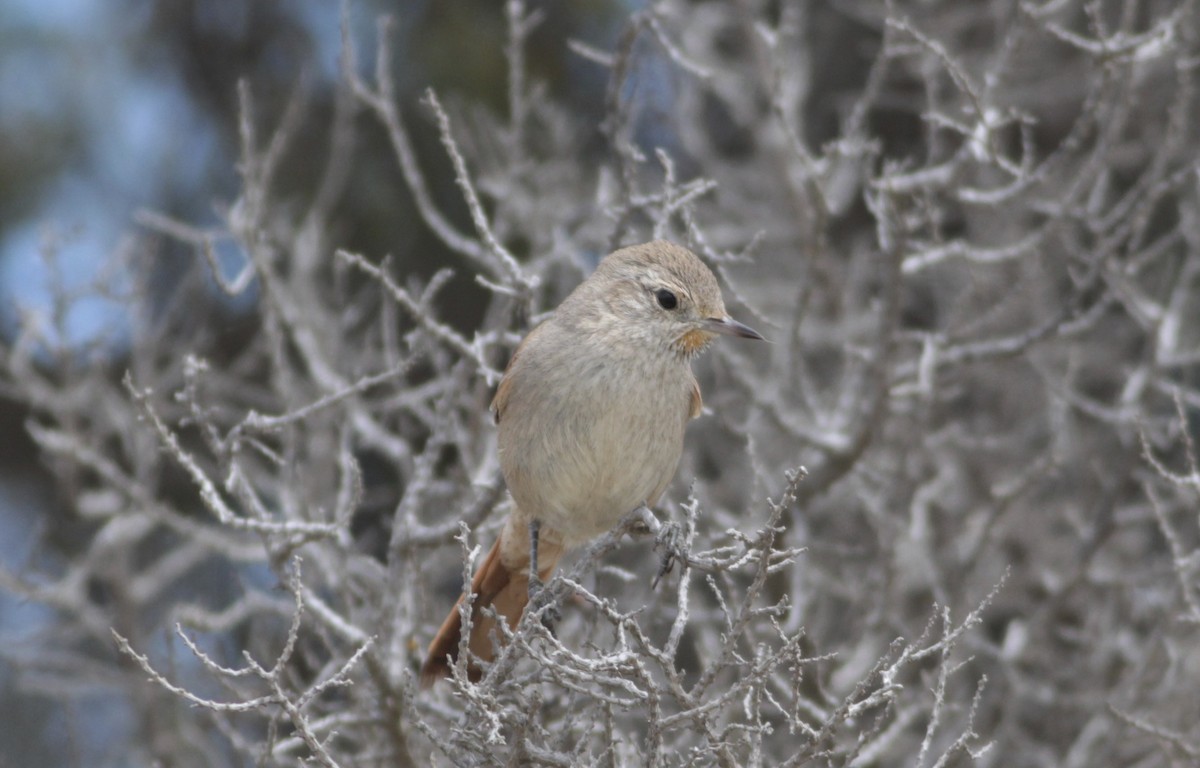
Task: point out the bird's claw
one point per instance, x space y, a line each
671 541
542 602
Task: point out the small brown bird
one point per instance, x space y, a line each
591 411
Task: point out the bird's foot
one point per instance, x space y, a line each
670 540
542 602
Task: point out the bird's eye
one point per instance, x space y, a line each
666 299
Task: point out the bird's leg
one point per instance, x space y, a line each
535 581
540 598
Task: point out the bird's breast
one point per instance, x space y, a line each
585 440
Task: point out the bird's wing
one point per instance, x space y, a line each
506 382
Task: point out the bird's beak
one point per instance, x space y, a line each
727 326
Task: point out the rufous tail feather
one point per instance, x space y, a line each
502 585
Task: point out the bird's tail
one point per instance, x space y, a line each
502 582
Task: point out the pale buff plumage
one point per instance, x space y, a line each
591 413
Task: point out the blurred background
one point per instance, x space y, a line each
109 108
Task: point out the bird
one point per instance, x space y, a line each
591 412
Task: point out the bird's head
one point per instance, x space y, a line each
668 295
